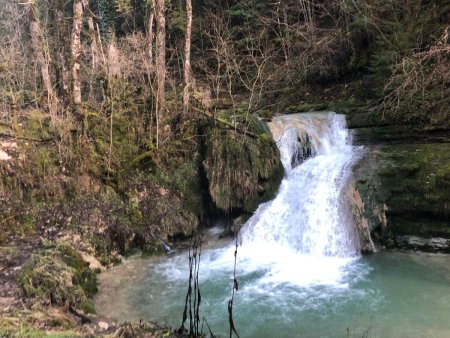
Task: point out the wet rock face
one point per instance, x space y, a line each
362 225
406 195
304 151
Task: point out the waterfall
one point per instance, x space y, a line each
309 215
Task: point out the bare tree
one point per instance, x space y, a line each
16 72
42 53
93 35
61 50
76 51
160 62
187 56
150 36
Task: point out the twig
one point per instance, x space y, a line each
4 221
235 288
210 331
26 138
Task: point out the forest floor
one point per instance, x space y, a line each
12 258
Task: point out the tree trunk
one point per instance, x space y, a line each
187 56
150 39
42 57
113 59
94 46
76 52
160 62
107 17
62 53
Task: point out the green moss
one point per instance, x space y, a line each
58 275
35 127
242 171
348 106
185 180
413 180
306 107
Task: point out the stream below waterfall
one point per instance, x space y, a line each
298 266
388 294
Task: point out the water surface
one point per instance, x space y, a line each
388 294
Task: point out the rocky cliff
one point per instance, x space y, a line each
403 180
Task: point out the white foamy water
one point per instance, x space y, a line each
305 235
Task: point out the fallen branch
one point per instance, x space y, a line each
26 138
226 123
83 317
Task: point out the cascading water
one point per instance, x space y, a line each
309 214
298 267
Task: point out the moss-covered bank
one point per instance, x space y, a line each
118 195
58 276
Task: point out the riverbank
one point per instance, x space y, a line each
58 198
41 314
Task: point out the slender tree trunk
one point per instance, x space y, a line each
94 45
113 59
187 56
150 34
107 17
62 56
160 62
76 52
41 52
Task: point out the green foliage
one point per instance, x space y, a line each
177 22
123 6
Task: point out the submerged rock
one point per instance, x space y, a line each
435 244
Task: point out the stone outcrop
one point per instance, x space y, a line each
361 222
242 171
403 180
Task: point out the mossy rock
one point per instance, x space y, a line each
242 171
306 107
167 208
411 183
185 180
35 127
58 276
